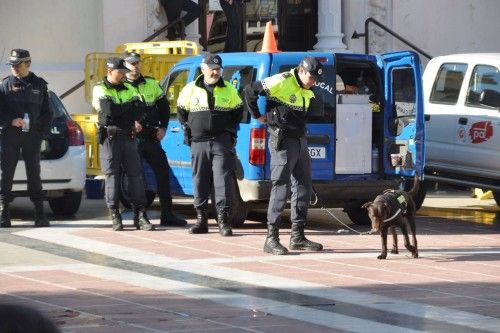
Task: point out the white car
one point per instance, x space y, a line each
462 113
62 165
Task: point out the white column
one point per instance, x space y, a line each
329 26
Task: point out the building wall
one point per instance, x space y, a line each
58 34
436 26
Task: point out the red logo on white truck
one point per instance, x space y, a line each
481 131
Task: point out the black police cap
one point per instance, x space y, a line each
313 66
18 56
118 64
212 60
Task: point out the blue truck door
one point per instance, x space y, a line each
321 114
178 154
404 151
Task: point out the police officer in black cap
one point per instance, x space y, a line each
25 118
119 106
288 97
151 129
210 110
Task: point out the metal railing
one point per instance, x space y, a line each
179 22
366 34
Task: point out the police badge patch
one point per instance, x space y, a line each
293 98
195 101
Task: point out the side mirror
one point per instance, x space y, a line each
490 98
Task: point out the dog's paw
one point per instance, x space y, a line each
394 251
382 256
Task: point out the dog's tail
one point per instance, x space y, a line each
416 185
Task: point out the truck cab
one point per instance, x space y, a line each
365 128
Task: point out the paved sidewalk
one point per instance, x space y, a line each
90 279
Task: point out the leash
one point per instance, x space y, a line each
322 207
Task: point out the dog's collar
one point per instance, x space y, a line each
393 216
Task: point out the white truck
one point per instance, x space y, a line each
462 120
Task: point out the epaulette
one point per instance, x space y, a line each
5 78
149 77
287 74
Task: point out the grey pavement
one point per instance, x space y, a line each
88 278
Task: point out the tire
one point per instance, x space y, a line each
124 196
496 196
358 216
67 205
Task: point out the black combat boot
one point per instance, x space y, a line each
4 215
141 220
224 223
168 218
40 218
116 218
272 244
299 242
201 226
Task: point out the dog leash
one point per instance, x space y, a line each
318 200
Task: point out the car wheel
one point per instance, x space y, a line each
67 205
124 196
496 196
358 216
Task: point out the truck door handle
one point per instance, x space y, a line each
175 129
462 121
427 117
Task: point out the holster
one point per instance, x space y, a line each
276 137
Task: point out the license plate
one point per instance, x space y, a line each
317 152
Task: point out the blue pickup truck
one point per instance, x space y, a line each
365 127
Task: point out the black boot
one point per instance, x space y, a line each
141 220
201 226
4 215
224 223
272 244
116 218
168 218
299 242
40 218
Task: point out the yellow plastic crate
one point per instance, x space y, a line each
180 47
88 123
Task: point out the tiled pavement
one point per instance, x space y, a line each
91 279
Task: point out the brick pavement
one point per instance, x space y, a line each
91 279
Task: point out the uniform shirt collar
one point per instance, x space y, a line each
201 83
297 78
137 81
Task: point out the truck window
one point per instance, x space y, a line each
447 84
483 77
173 86
322 106
404 98
239 77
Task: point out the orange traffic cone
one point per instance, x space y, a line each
269 44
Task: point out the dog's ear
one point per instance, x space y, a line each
368 204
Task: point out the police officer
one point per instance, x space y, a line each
210 110
288 96
151 130
118 106
25 117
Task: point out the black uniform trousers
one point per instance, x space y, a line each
290 170
216 158
15 143
121 150
234 16
154 154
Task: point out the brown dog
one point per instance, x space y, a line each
394 208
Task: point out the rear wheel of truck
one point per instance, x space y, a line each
496 196
358 215
66 205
